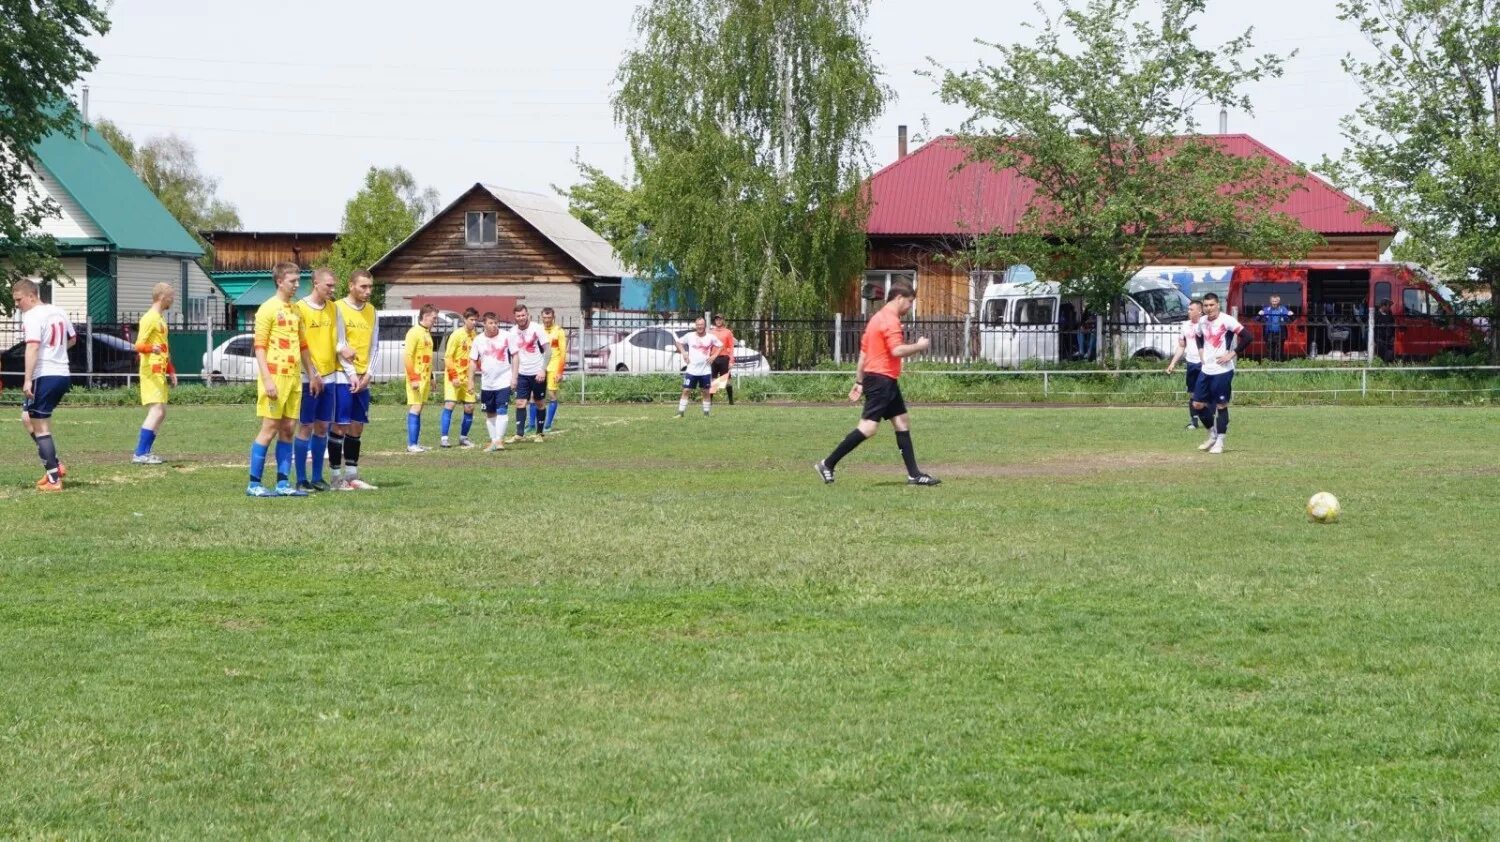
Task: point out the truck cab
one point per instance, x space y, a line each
1332 303
1026 321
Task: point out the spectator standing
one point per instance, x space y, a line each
1275 318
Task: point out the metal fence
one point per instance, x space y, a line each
105 353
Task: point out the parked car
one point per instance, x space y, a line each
654 349
114 357
1035 321
234 359
231 360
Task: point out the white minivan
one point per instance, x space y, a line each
1027 321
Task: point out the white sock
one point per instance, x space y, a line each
706 404
501 421
682 405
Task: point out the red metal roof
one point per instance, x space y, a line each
934 192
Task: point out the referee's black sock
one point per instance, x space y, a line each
851 441
728 389
908 454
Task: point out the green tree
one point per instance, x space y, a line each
168 165
746 121
612 209
1096 111
42 55
385 211
1424 147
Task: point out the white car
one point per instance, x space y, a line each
654 349
233 361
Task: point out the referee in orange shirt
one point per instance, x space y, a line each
724 362
881 350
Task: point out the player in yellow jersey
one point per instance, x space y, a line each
458 386
356 344
280 355
418 362
156 371
320 326
558 339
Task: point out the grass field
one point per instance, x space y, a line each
656 628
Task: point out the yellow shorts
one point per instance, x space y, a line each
460 392
288 400
554 380
153 389
420 394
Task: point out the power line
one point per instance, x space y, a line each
342 136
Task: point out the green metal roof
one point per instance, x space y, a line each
261 290
109 191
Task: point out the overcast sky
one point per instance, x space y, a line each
288 103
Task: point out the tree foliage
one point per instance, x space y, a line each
1096 111
1424 147
168 166
746 121
385 211
42 55
615 211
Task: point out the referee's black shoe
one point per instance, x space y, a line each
923 479
824 471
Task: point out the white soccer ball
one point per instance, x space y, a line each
1323 508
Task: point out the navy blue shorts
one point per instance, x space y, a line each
697 381
1214 388
494 401
318 408
46 394
531 387
1193 370
350 407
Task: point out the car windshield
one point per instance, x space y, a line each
1165 304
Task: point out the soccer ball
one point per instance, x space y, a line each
1323 508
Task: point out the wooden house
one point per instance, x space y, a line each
493 247
927 207
242 262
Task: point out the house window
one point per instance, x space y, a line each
479 229
877 283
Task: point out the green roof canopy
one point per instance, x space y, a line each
109 191
261 291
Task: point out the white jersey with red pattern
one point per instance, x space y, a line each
47 327
1219 337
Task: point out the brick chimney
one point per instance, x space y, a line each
900 142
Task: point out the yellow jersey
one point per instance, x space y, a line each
558 339
278 330
356 329
151 333
456 356
418 354
321 331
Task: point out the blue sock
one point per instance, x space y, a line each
413 428
551 414
531 416
257 462
447 422
143 444
319 447
468 424
300 447
283 460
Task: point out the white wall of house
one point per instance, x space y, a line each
71 293
73 223
138 275
566 299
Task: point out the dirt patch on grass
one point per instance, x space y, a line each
1073 465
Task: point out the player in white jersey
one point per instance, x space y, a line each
491 355
1187 349
48 335
531 347
1220 340
699 349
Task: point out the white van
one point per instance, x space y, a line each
1035 321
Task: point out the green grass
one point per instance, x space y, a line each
653 628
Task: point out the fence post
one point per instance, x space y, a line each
1364 381
1369 336
583 365
208 342
967 320
1046 385
88 347
838 337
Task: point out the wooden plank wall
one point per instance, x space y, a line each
244 251
439 254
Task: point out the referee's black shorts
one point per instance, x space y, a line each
883 399
719 366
